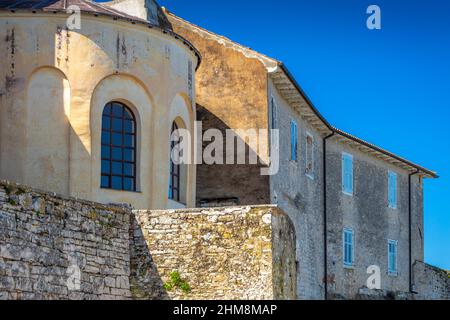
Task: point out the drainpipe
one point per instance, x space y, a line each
411 289
325 238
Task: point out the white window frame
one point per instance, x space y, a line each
294 155
391 272
390 204
312 173
351 264
344 155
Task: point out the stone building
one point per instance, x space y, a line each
239 88
89 113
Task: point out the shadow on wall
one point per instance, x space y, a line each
145 280
229 185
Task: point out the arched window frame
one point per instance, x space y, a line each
109 148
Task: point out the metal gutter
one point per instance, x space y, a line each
325 216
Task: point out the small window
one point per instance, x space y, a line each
294 140
392 257
175 168
118 150
392 190
309 156
348 247
273 110
347 173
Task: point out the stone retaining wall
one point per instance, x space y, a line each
221 253
60 248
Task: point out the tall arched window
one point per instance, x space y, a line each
174 181
118 148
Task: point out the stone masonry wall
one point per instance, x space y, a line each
44 239
431 283
222 253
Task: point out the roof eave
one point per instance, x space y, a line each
420 170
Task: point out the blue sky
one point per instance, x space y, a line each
390 87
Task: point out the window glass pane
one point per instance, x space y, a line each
116 139
128 169
128 155
106 122
128 140
128 184
107 109
127 115
117 153
117 110
117 168
105 182
105 167
106 152
106 138
128 126
116 183
117 124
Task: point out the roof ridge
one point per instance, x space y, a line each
168 12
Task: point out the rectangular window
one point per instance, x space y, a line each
392 256
273 110
348 247
309 156
392 190
294 140
347 173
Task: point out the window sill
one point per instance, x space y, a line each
349 267
121 191
311 177
347 193
393 274
174 205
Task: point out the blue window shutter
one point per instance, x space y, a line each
348 249
347 173
392 252
392 189
350 175
294 135
395 190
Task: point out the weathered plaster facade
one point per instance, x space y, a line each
231 93
300 196
367 213
55 83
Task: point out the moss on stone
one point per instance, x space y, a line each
176 282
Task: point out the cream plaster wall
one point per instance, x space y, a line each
54 84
